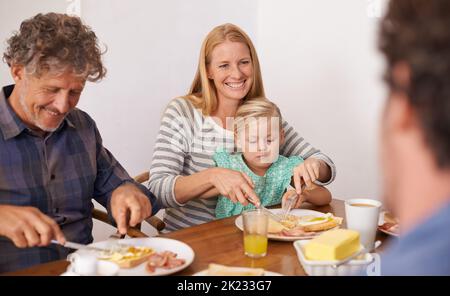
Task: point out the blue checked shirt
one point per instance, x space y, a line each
424 250
59 175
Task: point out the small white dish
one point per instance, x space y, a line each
104 268
325 268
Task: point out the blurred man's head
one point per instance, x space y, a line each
51 57
415 38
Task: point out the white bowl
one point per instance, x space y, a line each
325 268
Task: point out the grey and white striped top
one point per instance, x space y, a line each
185 145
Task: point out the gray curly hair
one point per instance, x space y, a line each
56 42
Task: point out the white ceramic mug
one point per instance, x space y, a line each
83 262
362 215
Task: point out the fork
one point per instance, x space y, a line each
288 205
290 202
116 235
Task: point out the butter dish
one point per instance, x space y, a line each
325 268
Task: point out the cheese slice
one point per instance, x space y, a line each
333 245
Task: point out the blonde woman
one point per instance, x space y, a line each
182 173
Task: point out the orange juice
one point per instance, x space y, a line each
255 245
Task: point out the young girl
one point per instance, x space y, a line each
258 136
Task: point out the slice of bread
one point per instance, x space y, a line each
331 223
223 270
302 222
275 227
132 262
129 257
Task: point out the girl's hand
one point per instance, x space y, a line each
308 171
237 186
298 200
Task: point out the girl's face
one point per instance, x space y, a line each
260 142
231 70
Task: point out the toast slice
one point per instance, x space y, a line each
305 223
331 223
130 257
132 262
275 227
223 270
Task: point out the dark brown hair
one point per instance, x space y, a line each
417 32
56 42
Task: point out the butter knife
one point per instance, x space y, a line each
77 246
357 254
269 213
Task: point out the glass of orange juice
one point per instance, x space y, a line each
255 233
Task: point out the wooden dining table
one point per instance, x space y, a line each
221 242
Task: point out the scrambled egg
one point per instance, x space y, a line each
127 253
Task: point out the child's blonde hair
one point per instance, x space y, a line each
253 109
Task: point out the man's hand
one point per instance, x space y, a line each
28 227
129 198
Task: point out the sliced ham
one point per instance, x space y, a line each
165 259
172 263
296 231
157 260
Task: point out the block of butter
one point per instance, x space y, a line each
223 270
333 245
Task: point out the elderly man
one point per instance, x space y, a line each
415 38
52 161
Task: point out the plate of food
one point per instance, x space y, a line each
299 224
388 224
224 270
146 256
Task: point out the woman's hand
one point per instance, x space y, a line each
237 186
309 171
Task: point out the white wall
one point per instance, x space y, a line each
321 66
153 49
318 59
12 13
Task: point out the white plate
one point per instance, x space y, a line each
159 244
266 273
295 212
381 222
